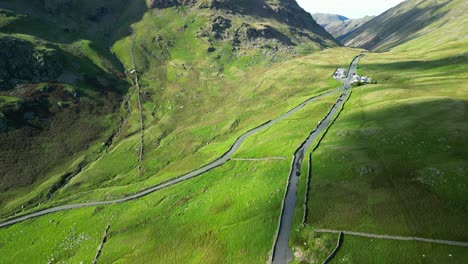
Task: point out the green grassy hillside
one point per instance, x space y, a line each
199 66
62 94
411 20
395 161
226 215
364 250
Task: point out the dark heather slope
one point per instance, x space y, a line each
406 21
58 103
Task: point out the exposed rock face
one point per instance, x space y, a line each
219 27
246 33
285 11
20 62
170 3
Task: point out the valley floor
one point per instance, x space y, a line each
230 214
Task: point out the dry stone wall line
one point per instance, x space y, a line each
331 123
335 250
288 182
140 111
273 252
390 237
103 241
306 197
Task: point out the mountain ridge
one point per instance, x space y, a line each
339 26
409 20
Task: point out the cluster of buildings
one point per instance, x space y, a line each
360 79
340 74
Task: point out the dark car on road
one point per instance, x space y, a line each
298 173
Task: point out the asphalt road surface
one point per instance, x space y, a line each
281 252
220 161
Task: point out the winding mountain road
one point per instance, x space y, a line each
281 252
218 162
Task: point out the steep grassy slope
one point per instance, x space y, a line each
200 79
395 161
409 20
340 26
397 153
228 215
60 101
199 65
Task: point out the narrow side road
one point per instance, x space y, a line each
401 238
214 164
281 252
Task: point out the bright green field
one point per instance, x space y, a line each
194 107
395 161
228 215
367 250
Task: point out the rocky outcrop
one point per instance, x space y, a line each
21 62
171 3
284 11
260 34
219 27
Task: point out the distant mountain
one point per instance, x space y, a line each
325 19
339 26
409 20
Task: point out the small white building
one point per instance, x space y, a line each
366 79
355 79
358 79
340 74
